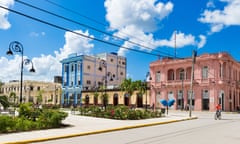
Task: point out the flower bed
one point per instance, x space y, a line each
119 112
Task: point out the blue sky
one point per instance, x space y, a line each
208 26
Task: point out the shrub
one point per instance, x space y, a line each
51 118
119 112
31 118
23 124
6 123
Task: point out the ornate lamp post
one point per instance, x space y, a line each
148 78
17 47
102 65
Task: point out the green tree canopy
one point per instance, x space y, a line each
4 101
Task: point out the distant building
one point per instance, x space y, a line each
216 80
82 72
34 91
58 79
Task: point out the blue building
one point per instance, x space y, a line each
83 72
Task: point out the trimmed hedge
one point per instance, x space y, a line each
119 112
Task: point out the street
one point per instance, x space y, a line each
202 130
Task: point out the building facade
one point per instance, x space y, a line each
116 97
34 91
216 79
82 72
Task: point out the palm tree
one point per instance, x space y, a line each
141 87
128 86
95 97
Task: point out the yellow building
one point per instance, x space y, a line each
116 97
34 91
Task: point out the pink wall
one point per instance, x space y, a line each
216 79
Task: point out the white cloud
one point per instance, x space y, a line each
218 19
210 4
181 40
75 44
4 24
47 66
135 20
36 34
203 41
142 13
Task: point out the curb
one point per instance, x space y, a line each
98 131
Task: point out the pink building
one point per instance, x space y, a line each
216 80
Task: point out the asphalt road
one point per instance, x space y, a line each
204 130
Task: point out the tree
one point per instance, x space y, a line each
4 101
95 97
140 87
14 97
128 86
40 97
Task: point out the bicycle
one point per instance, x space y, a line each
218 115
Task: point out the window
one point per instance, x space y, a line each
111 60
121 73
158 76
171 75
205 94
88 82
72 67
65 68
181 74
88 67
180 94
205 72
79 66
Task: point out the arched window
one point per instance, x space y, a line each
126 99
205 72
115 99
170 74
181 74
87 100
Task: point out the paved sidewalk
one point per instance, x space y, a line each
82 125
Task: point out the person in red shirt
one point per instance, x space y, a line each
218 107
218 112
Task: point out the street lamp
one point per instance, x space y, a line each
148 77
17 47
102 65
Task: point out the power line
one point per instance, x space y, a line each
77 13
88 18
87 26
66 29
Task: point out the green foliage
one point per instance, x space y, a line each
4 101
27 111
119 112
6 123
32 118
51 118
23 124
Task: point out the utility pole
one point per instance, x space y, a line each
194 53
